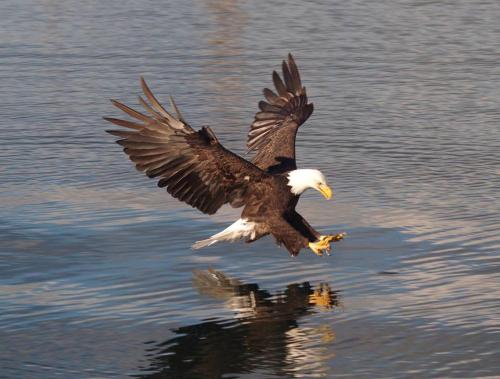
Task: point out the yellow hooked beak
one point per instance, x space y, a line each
325 191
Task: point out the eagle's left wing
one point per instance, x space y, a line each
193 166
272 134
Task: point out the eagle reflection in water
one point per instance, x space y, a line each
264 336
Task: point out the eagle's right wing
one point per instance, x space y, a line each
193 166
272 134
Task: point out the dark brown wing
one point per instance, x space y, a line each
192 165
272 134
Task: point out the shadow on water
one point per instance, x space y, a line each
263 335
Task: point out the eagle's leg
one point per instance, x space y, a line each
323 243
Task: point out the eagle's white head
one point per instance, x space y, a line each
302 179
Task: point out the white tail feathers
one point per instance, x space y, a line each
242 228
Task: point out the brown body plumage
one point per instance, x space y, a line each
195 168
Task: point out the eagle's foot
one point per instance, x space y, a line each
323 243
339 236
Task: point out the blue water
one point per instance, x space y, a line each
97 278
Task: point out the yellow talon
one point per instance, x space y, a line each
315 248
323 243
339 236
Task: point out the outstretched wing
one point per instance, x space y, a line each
272 134
192 165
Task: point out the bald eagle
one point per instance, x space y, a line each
195 168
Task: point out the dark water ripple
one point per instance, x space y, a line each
96 276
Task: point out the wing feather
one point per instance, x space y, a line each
130 111
287 77
294 72
279 85
270 96
272 134
124 123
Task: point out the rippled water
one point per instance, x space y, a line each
97 279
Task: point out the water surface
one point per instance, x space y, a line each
97 279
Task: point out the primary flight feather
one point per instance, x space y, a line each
195 168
